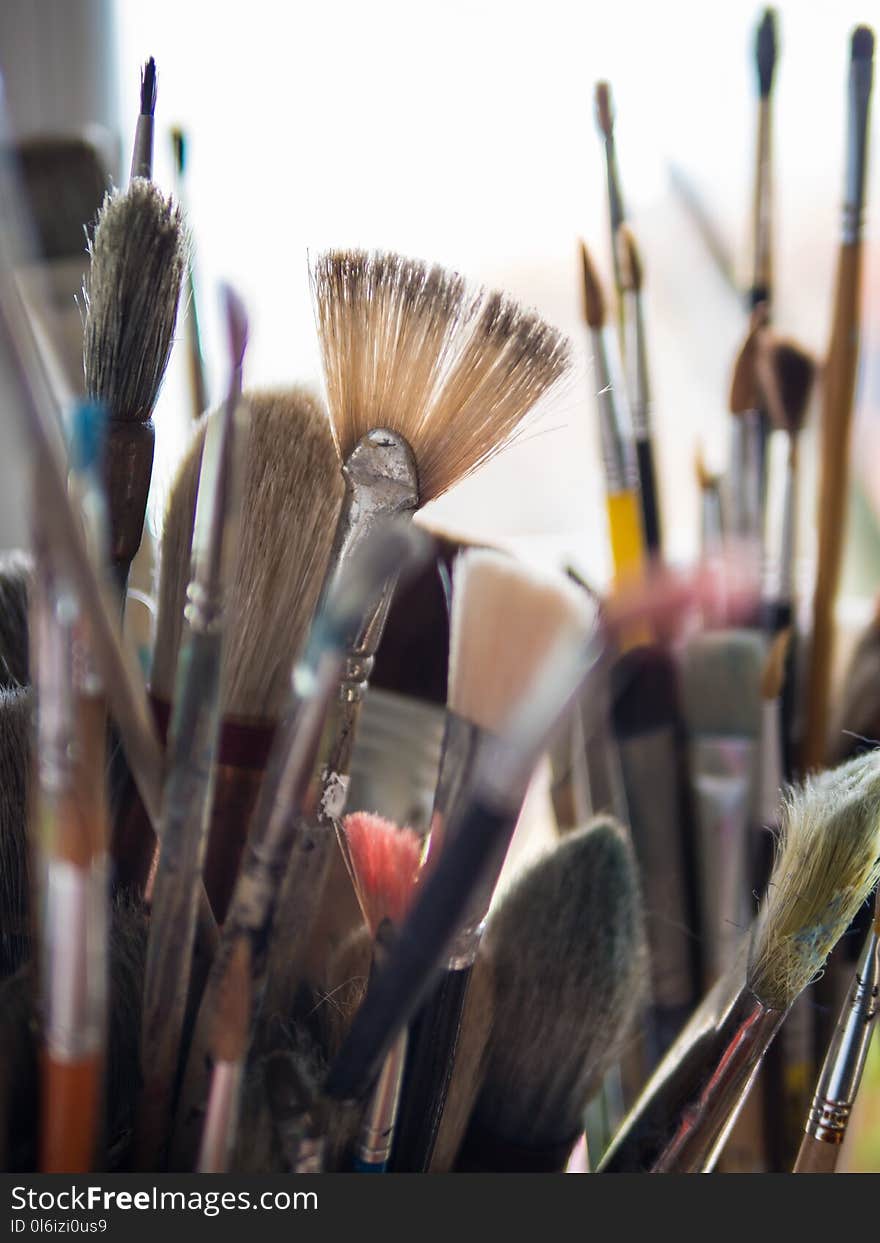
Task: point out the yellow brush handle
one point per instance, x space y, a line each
834 449
627 548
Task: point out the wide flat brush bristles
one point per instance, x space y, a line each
292 493
407 347
385 861
506 621
828 861
138 261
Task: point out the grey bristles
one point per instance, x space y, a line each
138 260
16 714
721 683
408 347
292 493
16 573
506 619
568 959
827 863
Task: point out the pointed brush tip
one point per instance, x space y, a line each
629 259
593 299
766 51
862 47
148 88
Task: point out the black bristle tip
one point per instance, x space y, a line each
148 88
765 51
863 43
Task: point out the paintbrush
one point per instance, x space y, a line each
635 353
198 381
16 718
762 213
506 619
844 1063
192 750
646 724
16 575
567 950
838 394
142 153
746 477
616 210
711 508
285 814
615 427
827 863
228 1052
856 717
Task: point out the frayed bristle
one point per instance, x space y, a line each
148 88
604 110
385 863
232 1017
862 46
407 347
827 863
629 260
567 951
138 261
765 52
507 620
591 288
292 491
773 677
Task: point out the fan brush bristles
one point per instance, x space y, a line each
384 861
292 492
507 618
138 261
828 861
408 347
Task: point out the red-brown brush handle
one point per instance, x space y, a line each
69 1115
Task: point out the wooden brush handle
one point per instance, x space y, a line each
834 449
128 468
70 1100
816 1157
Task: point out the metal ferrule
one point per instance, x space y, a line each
377 1133
679 1122
636 362
845 1060
860 81
142 154
614 417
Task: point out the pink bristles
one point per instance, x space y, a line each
385 861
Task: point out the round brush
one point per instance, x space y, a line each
828 861
567 953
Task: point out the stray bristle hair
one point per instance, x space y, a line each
507 618
721 683
773 677
765 52
629 259
604 111
591 286
785 373
148 88
862 47
827 863
292 491
384 861
567 951
232 1018
407 347
16 576
138 260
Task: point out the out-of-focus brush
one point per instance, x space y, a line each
567 950
228 1052
762 217
711 508
16 924
827 864
16 575
838 394
616 210
745 484
856 717
195 354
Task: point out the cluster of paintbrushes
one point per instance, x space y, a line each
214 957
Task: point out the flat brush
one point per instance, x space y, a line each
567 950
838 394
762 215
198 382
635 353
844 1064
142 154
827 863
615 428
616 210
506 620
228 1052
192 748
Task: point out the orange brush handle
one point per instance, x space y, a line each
69 1111
834 451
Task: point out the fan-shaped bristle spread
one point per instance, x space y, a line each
827 863
385 861
773 677
604 111
765 52
591 288
629 259
232 1017
507 619
407 346
148 88
567 951
138 260
290 503
862 47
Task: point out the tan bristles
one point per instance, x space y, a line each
744 387
604 113
706 480
408 347
593 298
506 620
232 1018
291 499
773 676
828 861
629 260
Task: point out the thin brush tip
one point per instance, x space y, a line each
766 50
593 298
862 46
629 259
237 325
604 109
148 88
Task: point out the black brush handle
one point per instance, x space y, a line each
433 1044
650 501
